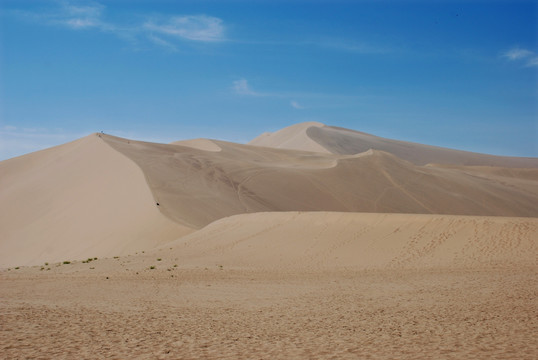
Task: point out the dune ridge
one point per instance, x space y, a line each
74 201
335 140
196 187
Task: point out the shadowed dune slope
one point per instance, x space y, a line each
74 201
335 140
360 241
195 187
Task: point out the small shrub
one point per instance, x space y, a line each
152 267
46 264
116 257
67 262
175 265
159 259
17 268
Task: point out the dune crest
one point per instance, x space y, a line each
74 201
293 137
196 187
200 144
335 140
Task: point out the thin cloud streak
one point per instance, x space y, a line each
191 27
241 87
518 54
294 104
90 16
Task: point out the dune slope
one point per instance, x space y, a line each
82 199
330 139
321 240
196 187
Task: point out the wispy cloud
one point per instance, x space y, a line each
190 27
242 87
161 30
294 104
533 61
163 43
521 55
517 53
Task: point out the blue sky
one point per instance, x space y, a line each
460 74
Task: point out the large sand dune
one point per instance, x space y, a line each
195 186
77 200
330 139
322 243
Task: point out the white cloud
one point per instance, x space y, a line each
533 61
294 104
241 87
191 27
517 54
159 30
161 42
76 16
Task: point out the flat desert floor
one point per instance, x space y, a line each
220 313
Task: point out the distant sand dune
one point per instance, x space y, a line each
200 144
196 187
335 140
98 196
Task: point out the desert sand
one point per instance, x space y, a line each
311 242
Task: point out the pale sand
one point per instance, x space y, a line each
463 287
268 284
293 137
78 198
311 136
200 144
196 187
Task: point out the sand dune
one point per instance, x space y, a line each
200 144
74 201
196 187
321 240
291 286
97 196
293 137
335 140
358 247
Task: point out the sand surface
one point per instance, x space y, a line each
312 136
79 198
196 187
303 285
322 243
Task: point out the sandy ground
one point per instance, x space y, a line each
290 285
240 314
